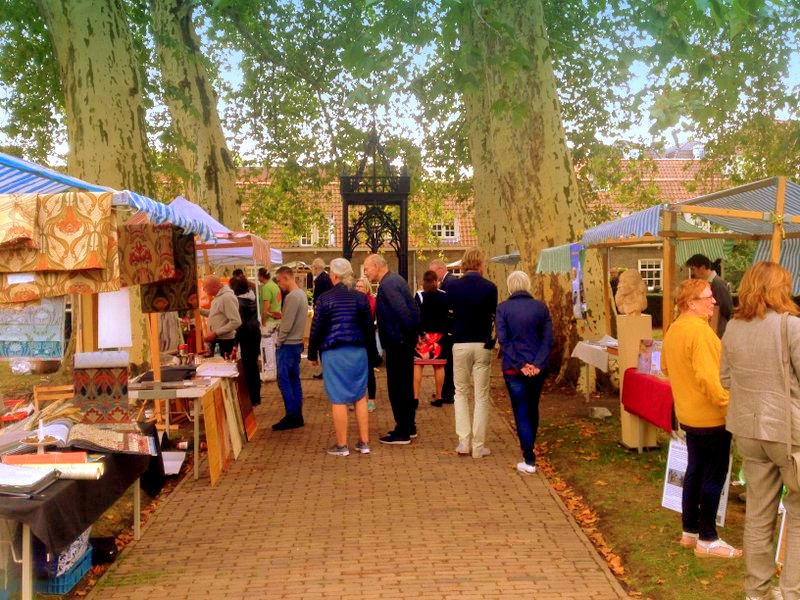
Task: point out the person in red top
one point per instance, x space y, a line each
363 285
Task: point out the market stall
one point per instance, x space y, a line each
61 237
766 211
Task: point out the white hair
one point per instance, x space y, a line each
343 270
518 281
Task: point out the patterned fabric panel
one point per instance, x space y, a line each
17 221
71 234
179 293
102 395
33 330
60 283
146 254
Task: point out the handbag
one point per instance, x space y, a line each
794 457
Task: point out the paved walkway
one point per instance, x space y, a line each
288 521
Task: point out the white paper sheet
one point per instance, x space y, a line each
677 459
114 319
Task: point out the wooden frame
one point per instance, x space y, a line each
669 235
51 393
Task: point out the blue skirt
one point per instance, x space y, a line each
344 374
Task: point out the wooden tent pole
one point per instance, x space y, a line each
155 358
606 288
668 271
777 228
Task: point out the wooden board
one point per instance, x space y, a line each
233 417
246 405
222 427
215 462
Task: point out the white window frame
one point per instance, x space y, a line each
446 231
652 271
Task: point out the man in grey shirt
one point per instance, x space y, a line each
223 316
290 347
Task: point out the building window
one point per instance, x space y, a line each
651 269
447 232
309 238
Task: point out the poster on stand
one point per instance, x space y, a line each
578 297
269 366
677 459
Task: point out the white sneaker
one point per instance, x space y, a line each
482 453
524 467
463 448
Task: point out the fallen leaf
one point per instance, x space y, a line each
600 482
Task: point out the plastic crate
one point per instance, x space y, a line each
67 581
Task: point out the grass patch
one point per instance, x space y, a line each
625 490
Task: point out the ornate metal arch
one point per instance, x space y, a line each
375 224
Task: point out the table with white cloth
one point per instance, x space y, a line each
595 354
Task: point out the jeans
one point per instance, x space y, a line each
400 384
709 455
472 369
766 470
288 359
524 393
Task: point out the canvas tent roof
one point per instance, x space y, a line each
229 247
19 176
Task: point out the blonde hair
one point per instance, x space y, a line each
367 284
473 259
518 281
689 290
765 285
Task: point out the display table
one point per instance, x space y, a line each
648 397
61 512
593 354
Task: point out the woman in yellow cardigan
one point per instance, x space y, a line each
690 358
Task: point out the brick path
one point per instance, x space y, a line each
288 521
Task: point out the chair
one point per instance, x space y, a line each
43 394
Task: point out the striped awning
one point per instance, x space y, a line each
19 176
639 224
557 259
790 258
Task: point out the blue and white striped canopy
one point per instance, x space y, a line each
790 258
644 222
19 176
759 197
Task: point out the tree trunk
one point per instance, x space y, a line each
526 192
203 150
102 85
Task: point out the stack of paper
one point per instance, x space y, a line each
24 482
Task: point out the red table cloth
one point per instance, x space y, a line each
648 397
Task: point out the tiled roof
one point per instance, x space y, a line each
329 202
674 180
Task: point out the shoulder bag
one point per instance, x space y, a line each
794 457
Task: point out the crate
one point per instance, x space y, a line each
67 581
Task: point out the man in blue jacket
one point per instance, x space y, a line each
399 330
473 299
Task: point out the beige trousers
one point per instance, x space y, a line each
765 468
472 368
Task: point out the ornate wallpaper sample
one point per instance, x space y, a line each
179 293
33 330
71 233
17 220
146 254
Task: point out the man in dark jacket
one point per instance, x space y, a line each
399 328
322 281
446 278
473 299
701 268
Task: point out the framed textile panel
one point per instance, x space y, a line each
34 331
71 234
146 254
17 220
51 284
101 394
180 292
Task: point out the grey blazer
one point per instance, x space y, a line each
752 370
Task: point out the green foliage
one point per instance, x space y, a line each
32 99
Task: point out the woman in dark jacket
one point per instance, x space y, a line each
525 333
435 316
343 333
248 336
